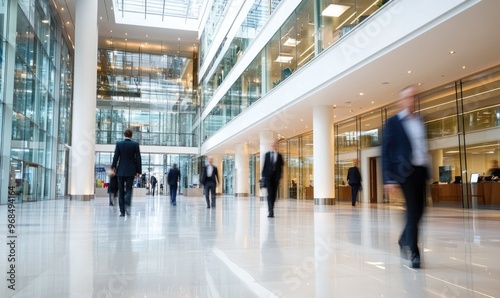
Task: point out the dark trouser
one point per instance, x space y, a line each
125 192
354 192
111 196
414 192
210 190
272 190
173 193
153 188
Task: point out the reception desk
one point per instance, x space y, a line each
344 193
486 193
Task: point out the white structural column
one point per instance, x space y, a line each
241 166
82 154
323 137
267 139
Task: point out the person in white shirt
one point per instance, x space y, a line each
405 162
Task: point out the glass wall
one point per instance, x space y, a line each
151 93
291 47
39 58
463 127
156 165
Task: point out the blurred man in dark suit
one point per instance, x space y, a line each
405 162
271 172
210 179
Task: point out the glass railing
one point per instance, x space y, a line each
290 48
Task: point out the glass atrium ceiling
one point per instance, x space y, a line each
174 14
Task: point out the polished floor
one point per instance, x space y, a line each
83 249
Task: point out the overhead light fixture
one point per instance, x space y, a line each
334 10
283 58
45 21
291 42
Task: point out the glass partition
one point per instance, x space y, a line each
151 93
371 129
348 136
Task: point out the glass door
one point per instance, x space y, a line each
31 182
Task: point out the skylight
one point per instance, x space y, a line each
171 14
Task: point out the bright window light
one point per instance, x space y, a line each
334 10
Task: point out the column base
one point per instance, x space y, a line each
81 197
241 195
324 201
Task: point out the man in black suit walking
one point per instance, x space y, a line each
271 172
354 180
173 178
153 184
405 162
210 179
127 165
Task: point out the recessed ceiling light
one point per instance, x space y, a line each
67 23
301 119
334 10
463 67
409 71
45 21
100 18
361 94
452 52
373 102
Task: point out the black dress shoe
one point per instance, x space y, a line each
270 215
110 203
208 207
122 214
415 262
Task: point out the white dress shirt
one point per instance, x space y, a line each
415 130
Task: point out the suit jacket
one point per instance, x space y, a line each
127 158
213 178
353 176
270 170
174 176
396 152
